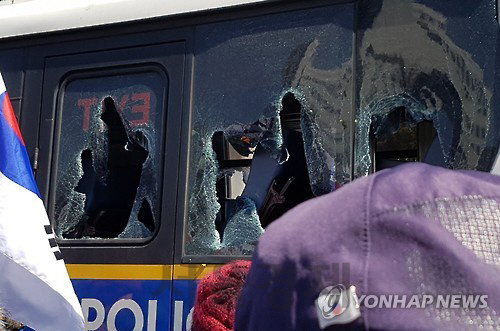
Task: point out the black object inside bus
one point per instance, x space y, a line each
108 204
290 185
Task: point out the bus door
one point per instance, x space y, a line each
109 140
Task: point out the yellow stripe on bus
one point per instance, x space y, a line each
193 271
139 271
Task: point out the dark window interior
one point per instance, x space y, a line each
108 204
410 143
108 157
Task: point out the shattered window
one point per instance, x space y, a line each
431 62
281 91
108 163
271 122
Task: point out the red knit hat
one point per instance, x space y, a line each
217 296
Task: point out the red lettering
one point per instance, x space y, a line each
86 104
123 103
144 108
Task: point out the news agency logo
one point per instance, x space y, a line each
337 305
333 301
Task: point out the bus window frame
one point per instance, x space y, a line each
102 73
273 7
168 57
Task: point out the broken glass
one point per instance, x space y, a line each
109 161
423 69
243 228
320 164
437 61
244 72
203 201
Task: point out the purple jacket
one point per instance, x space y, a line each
418 231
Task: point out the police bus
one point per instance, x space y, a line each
167 135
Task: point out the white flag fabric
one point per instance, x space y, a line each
34 285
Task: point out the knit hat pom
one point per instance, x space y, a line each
217 297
